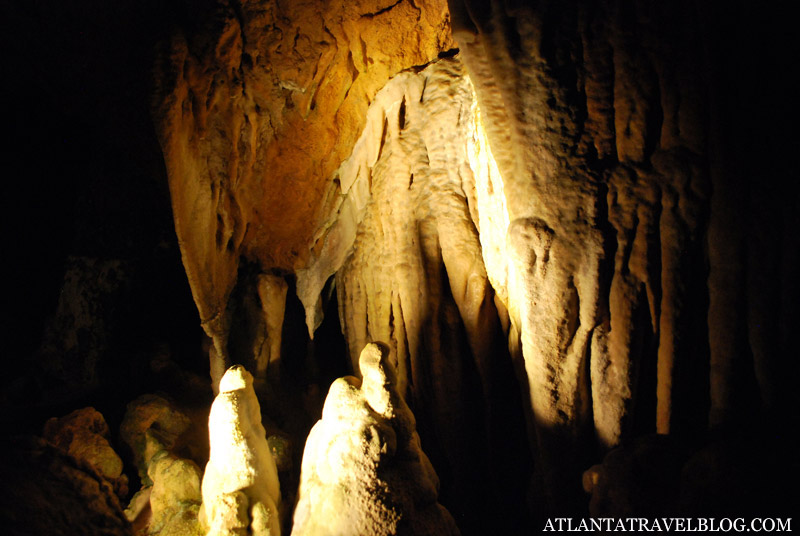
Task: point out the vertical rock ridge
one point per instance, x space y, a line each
604 171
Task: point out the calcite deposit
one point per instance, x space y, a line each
542 202
175 496
151 421
262 95
240 489
364 471
399 236
599 136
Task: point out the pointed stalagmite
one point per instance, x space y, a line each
363 470
241 493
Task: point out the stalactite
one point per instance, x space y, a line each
401 238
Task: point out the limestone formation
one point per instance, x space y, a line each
169 501
272 293
406 215
260 95
240 489
598 137
47 491
568 207
84 434
596 195
363 469
175 496
151 416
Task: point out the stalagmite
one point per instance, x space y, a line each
363 470
240 486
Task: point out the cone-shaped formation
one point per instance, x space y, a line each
363 470
241 493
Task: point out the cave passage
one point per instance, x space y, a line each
477 264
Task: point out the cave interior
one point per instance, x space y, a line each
571 226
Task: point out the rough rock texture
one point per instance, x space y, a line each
76 340
151 416
255 96
272 294
47 491
595 208
401 239
175 496
364 471
84 434
241 492
598 118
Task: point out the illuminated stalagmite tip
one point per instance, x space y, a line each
241 493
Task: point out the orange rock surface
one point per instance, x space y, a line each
257 108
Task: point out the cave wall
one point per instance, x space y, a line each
253 98
628 231
589 213
401 243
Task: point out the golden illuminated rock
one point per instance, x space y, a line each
363 470
401 238
575 212
272 293
240 486
597 134
560 198
175 496
257 109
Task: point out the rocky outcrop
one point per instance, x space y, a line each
364 471
240 489
600 139
169 500
575 207
175 496
151 423
47 491
84 434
